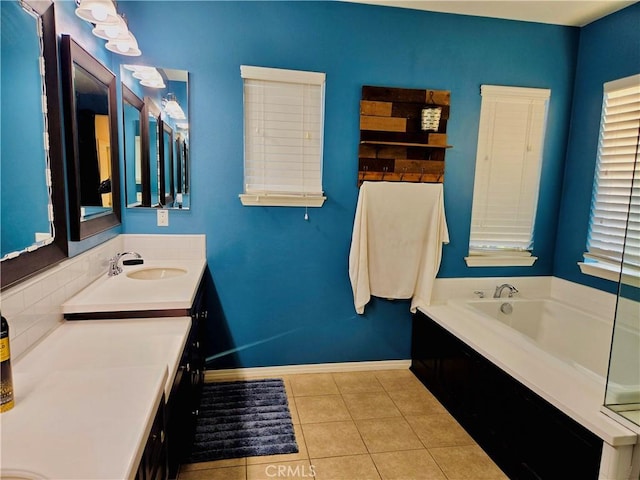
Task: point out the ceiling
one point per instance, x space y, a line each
575 13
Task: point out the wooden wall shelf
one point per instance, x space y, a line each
393 146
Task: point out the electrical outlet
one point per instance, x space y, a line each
163 218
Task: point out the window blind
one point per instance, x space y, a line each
283 131
508 164
614 226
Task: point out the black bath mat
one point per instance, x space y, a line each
243 419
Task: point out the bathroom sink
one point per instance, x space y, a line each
156 273
11 474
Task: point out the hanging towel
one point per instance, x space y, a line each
396 246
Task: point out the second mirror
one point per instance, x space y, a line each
156 137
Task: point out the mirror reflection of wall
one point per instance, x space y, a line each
132 128
162 178
94 144
24 197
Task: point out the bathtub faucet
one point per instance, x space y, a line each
500 288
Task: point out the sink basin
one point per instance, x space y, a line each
11 474
157 273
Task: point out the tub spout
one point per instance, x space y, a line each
500 288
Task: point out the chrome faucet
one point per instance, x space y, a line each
114 268
500 288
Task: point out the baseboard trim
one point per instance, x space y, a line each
236 373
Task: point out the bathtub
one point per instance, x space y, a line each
558 351
574 336
567 333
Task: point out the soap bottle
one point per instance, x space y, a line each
6 380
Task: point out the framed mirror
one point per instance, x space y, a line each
32 203
165 138
91 138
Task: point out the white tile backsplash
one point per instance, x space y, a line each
33 307
166 247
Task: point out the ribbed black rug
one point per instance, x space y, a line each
243 419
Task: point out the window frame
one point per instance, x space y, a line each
274 197
594 263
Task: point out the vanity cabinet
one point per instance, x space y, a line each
187 386
184 397
524 434
153 464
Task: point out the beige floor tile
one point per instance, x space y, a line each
224 473
440 430
357 382
321 408
387 435
302 454
332 439
397 379
370 405
293 410
355 467
416 401
313 384
299 470
407 465
231 462
466 463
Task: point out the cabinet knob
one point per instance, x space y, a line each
195 413
188 367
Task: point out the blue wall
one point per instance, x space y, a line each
282 293
609 50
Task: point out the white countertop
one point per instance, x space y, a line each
86 397
121 293
578 396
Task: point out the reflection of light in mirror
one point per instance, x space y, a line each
152 83
148 76
182 126
173 108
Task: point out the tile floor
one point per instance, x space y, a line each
363 425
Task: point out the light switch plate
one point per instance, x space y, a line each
163 218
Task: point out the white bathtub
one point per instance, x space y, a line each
567 333
559 350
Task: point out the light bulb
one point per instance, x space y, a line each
99 12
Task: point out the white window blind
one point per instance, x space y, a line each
507 177
283 136
614 226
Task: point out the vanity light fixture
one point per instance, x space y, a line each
111 31
97 11
109 25
124 46
148 76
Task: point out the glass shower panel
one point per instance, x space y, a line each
623 381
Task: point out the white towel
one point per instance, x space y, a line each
396 246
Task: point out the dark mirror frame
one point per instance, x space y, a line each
71 53
150 109
167 161
29 263
132 99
